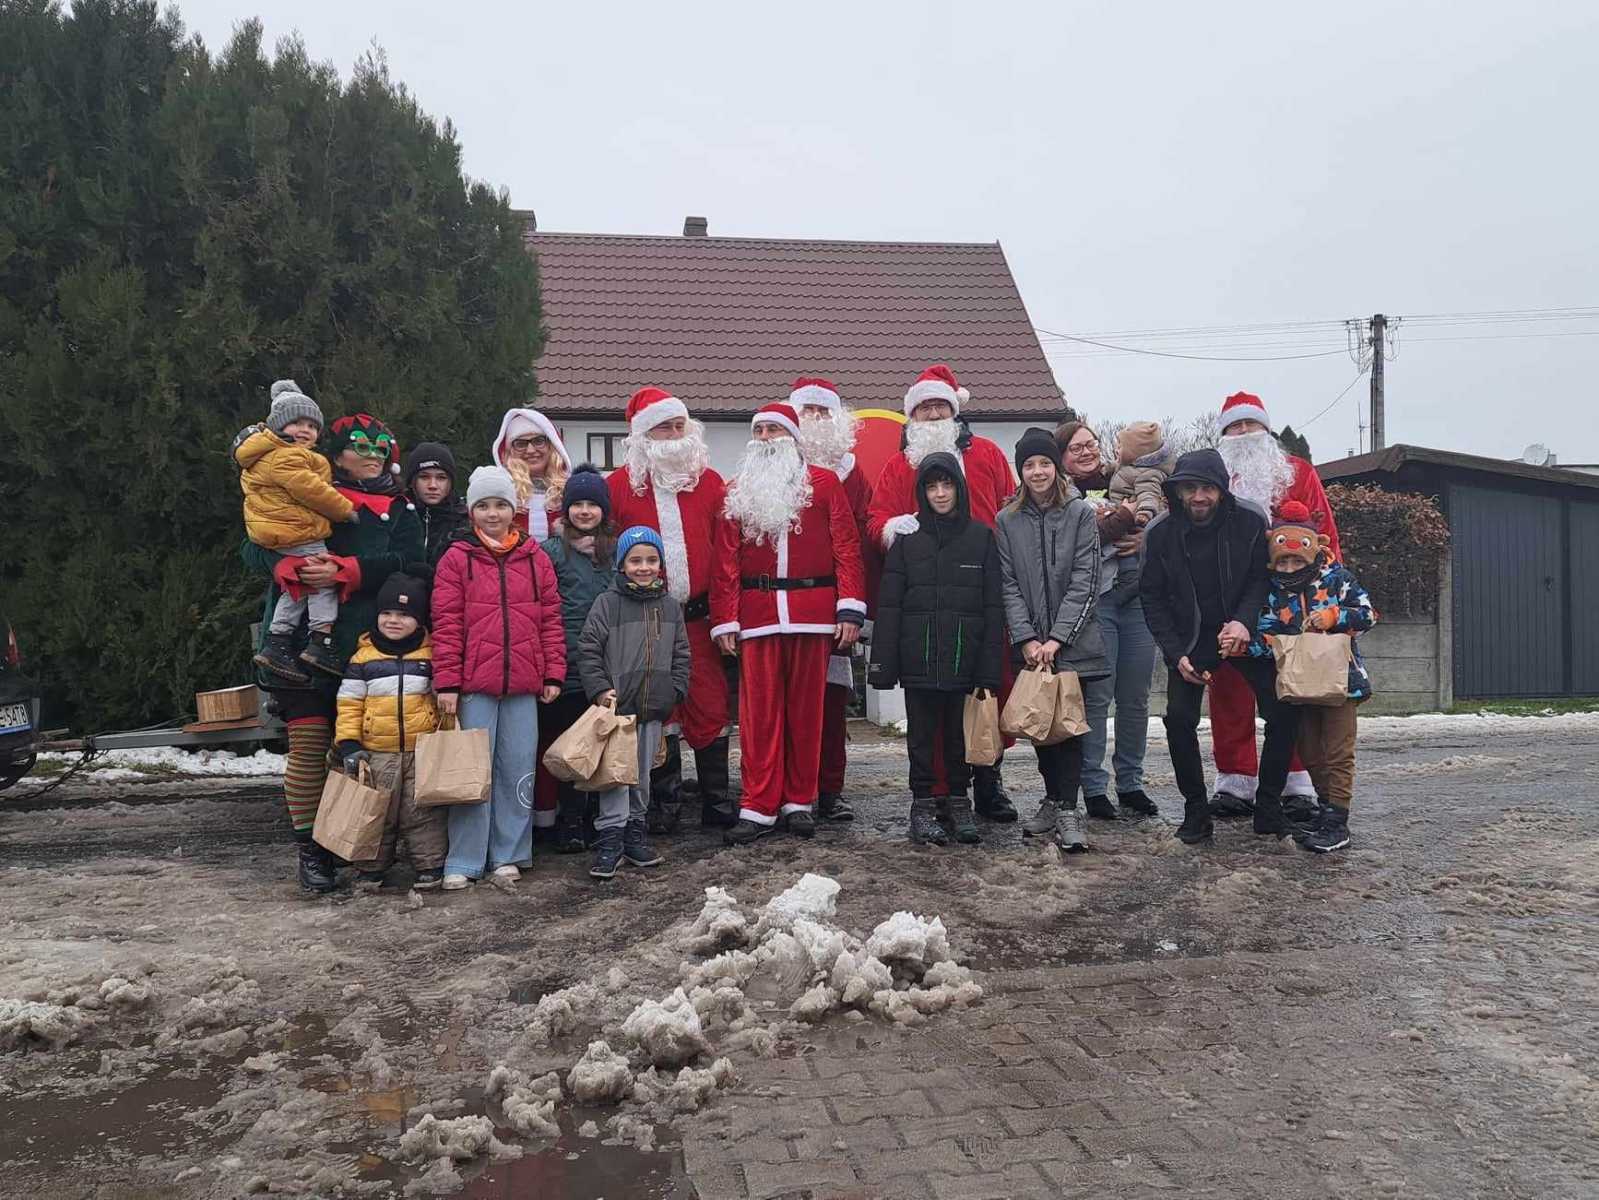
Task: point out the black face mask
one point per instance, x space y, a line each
1298 580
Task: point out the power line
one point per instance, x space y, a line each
1197 357
1358 377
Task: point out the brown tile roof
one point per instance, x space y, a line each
727 323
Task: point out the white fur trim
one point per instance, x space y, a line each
839 671
651 415
670 518
814 394
1299 784
718 630
543 818
768 630
845 466
794 808
782 572
1242 786
1244 412
534 418
755 818
847 605
932 389
772 418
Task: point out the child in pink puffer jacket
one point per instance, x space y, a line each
498 648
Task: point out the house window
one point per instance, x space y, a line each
605 450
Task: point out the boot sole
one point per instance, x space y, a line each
642 862
602 873
1327 849
278 670
1192 839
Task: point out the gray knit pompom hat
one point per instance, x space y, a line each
290 404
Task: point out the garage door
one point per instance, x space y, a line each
1583 557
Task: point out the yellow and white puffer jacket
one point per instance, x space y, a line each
386 702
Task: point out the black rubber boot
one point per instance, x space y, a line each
717 808
569 823
1100 808
1225 806
1303 811
318 874
832 807
636 848
926 829
277 655
320 655
1269 817
961 823
1137 803
991 799
800 823
1197 825
666 790
742 832
607 853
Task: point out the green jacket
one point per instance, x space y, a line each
582 580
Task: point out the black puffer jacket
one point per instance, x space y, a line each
1171 609
440 521
940 616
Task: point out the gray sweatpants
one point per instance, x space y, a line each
614 808
323 603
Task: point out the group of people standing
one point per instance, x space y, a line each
547 588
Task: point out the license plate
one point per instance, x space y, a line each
14 717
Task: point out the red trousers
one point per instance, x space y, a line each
781 680
835 704
703 714
1232 736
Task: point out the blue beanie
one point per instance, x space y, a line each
639 535
586 483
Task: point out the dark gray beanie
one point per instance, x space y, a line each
290 404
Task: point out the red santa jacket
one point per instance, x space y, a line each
826 543
859 493
686 521
989 483
1308 491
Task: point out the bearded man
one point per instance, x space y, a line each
934 423
1265 475
667 484
827 440
787 588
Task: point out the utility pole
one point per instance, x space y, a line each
1379 327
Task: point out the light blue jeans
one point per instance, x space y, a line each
1131 649
500 830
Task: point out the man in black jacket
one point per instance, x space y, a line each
1203 586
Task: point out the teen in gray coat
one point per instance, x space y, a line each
1049 567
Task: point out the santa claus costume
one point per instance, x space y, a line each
1267 476
668 485
990 484
788 576
827 440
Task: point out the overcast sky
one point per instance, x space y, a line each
1146 167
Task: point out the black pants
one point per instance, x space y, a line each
932 718
1061 765
1182 731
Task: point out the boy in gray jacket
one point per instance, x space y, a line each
633 651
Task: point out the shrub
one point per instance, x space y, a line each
1394 542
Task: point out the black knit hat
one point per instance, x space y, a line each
1038 441
428 454
407 594
586 483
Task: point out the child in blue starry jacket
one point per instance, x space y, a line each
1310 593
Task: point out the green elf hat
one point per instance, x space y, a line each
367 436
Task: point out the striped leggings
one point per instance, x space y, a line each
306 770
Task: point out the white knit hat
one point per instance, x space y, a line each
487 483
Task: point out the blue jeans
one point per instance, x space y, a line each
500 830
1131 649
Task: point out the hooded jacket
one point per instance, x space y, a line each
1171 608
940 614
496 619
289 497
1049 563
582 581
638 646
439 521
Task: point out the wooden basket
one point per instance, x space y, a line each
229 704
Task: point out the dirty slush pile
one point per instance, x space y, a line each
621 1058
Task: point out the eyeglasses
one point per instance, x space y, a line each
1090 444
535 442
377 447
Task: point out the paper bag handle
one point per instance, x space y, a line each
447 722
363 774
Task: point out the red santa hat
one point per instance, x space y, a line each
519 422
938 382
776 413
811 389
1243 406
649 407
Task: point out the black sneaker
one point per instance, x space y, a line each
320 655
926 830
1269 818
1100 808
1137 802
636 848
1225 806
1331 831
1196 826
428 881
607 854
961 823
800 824
743 832
833 807
277 655
1042 822
317 871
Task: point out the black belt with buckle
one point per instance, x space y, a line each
780 583
698 607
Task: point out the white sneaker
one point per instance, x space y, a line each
509 872
456 883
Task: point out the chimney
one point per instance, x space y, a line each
695 226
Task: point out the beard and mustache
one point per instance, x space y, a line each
1260 469
827 440
769 491
673 465
930 437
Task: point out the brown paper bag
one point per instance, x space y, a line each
349 820
1071 717
453 766
1313 668
576 754
980 721
1030 710
619 763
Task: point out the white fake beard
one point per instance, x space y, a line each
1259 468
673 465
769 491
929 437
827 439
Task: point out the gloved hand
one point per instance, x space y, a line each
351 756
900 525
1323 620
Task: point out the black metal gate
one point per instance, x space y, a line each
1583 560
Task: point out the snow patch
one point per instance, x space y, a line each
458 1139
668 1030
30 1025
814 897
720 925
906 937
601 1076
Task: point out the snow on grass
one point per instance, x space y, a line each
166 762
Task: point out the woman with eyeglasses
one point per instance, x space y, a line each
385 538
1128 642
530 449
